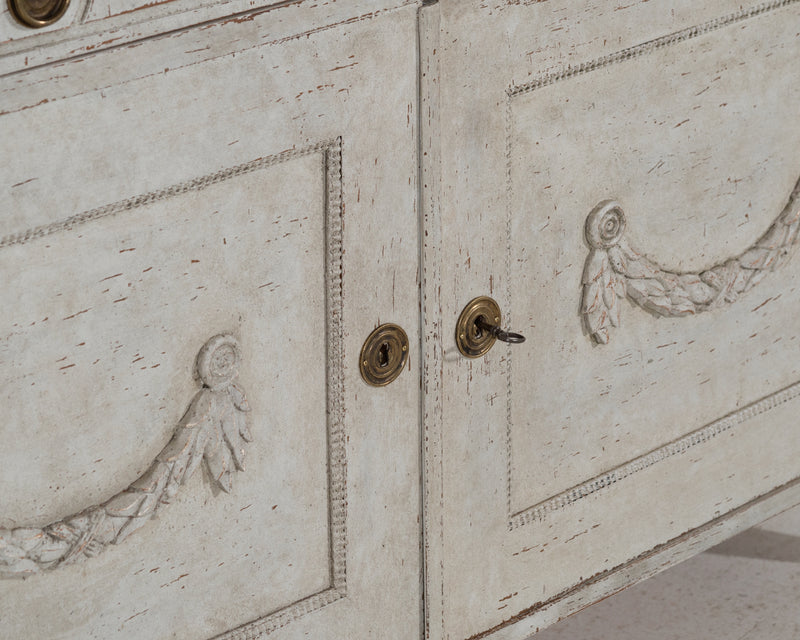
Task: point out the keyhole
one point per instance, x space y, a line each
383 355
478 329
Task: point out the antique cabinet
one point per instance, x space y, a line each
208 208
222 209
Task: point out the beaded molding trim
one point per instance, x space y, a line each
87 537
613 270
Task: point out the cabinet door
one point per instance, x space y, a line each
622 180
199 231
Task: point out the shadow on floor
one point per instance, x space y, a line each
762 545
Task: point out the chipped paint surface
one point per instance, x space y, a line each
205 180
555 464
553 476
96 25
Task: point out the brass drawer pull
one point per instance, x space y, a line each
38 13
478 328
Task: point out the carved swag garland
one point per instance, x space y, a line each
214 428
614 270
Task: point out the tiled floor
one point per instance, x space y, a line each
747 588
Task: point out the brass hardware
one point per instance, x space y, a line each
478 328
38 13
384 354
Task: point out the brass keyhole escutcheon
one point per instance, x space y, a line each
478 328
38 13
384 354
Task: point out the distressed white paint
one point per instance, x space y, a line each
214 429
238 192
285 86
703 156
89 26
558 460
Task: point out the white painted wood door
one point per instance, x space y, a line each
225 210
623 181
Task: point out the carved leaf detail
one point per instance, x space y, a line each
233 439
218 458
602 289
696 290
758 258
213 428
668 293
238 397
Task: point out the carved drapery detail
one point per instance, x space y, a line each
614 270
214 428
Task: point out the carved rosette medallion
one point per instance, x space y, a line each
614 270
214 428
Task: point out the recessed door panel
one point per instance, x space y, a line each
630 200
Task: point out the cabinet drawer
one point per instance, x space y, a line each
88 26
634 210
176 242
